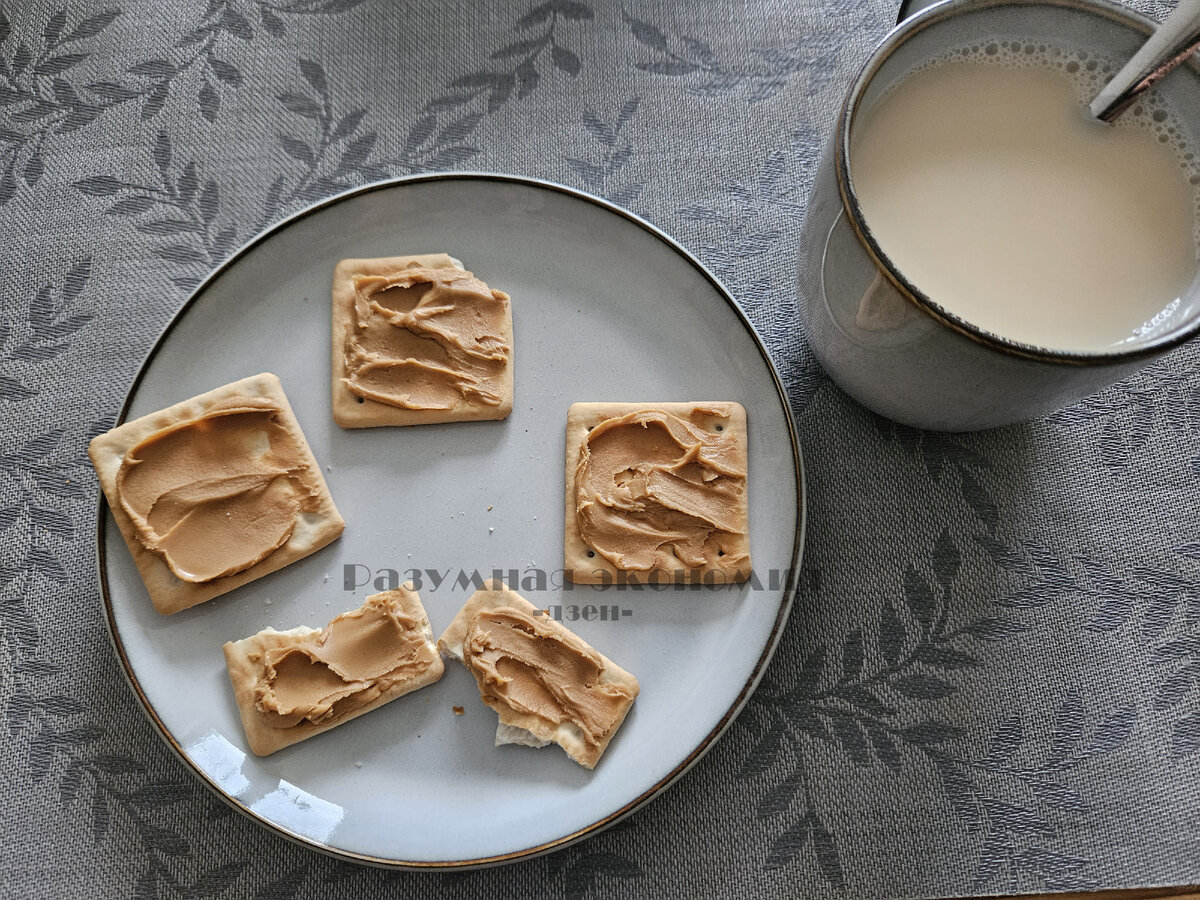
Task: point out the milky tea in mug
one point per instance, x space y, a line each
983 179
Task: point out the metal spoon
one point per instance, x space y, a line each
1170 44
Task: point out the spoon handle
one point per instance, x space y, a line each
1170 44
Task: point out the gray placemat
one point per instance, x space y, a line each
988 683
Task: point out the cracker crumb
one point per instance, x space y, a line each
458 710
268 601
358 764
489 507
490 530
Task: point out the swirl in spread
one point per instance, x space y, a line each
216 494
649 483
541 669
360 655
427 338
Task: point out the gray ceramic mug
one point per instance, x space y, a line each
881 339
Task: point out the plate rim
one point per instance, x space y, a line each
708 741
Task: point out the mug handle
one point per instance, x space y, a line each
909 8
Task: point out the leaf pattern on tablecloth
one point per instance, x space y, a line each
949 456
603 171
858 696
583 872
1127 415
1160 608
516 70
45 96
763 76
62 748
330 149
1020 829
175 204
876 698
44 331
38 98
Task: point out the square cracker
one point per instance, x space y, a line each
583 565
522 728
244 660
168 593
352 411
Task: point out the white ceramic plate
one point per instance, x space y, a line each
605 307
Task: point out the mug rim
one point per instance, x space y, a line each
896 38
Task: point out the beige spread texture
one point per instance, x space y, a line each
215 491
545 683
417 340
216 494
657 488
294 684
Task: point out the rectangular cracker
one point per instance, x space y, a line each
168 593
583 565
243 659
351 411
522 728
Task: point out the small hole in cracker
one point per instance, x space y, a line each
591 554
360 399
720 553
720 427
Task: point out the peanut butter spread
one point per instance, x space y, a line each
427 338
651 481
216 494
524 664
359 656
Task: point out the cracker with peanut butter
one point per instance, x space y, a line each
656 493
418 340
545 682
293 685
215 491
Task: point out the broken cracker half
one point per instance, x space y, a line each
215 491
293 685
418 340
545 682
656 493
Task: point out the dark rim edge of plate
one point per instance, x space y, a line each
705 744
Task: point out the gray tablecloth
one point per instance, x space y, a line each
988 683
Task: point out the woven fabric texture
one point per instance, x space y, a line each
989 680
